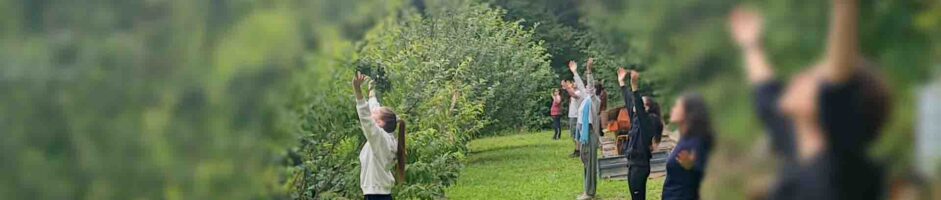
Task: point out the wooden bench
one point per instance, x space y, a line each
613 166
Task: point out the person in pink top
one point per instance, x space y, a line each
556 113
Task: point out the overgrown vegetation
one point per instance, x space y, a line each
202 99
451 73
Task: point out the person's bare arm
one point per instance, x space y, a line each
635 81
588 75
357 85
626 93
746 26
843 41
570 89
579 84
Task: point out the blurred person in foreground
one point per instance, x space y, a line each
823 122
686 165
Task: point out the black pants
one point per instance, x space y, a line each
637 181
557 126
378 197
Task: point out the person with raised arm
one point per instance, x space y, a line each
588 126
834 110
574 102
555 111
641 136
379 153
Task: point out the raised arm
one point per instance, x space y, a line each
746 27
588 75
638 102
626 92
843 42
375 135
567 86
358 85
373 102
579 84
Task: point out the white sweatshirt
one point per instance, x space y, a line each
586 93
574 103
376 158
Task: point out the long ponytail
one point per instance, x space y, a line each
400 155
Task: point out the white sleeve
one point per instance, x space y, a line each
579 85
373 103
379 141
591 81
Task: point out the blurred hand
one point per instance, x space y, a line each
358 81
358 85
573 67
746 26
622 73
591 62
635 77
686 159
370 85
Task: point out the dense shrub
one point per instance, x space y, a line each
118 106
455 72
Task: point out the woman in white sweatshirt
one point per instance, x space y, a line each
379 153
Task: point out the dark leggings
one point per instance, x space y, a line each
377 197
557 126
637 181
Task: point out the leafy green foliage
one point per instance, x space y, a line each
458 71
142 102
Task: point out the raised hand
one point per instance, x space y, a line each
358 85
635 79
591 62
358 80
622 73
746 26
573 67
686 159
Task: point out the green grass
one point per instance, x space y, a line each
531 166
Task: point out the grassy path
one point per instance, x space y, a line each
530 166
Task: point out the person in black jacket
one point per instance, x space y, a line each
641 136
653 109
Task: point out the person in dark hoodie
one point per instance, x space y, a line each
641 136
824 121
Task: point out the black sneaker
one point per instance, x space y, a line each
574 154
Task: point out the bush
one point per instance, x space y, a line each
119 106
456 72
